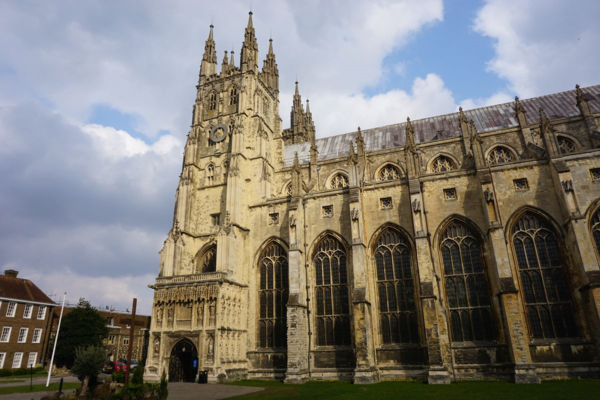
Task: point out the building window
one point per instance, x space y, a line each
233 96
450 194
215 219
41 312
548 301
273 295
466 285
37 335
565 145
212 102
499 155
442 164
111 339
595 228
273 218
339 181
385 203
327 211
11 309
126 340
210 174
2 359
18 357
208 261
5 337
110 321
395 287
22 335
389 173
594 172
32 360
521 184
28 311
333 306
288 190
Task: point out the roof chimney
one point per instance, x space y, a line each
11 272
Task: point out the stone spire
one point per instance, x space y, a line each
225 64
360 143
548 134
309 124
249 48
209 59
297 119
231 62
410 151
270 72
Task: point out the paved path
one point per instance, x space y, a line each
177 391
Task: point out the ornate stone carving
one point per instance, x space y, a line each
416 205
488 195
567 185
355 214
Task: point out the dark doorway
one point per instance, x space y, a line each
183 364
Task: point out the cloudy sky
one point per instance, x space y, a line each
96 100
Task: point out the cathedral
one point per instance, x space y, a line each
462 246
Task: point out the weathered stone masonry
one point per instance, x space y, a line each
461 246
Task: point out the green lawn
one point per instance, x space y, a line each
38 388
35 375
481 390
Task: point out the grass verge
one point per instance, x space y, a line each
481 390
38 388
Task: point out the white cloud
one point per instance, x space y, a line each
542 46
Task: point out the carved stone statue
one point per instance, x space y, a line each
156 347
416 205
488 195
159 314
355 214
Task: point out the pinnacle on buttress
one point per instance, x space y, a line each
249 20
249 47
270 71
410 135
231 61
579 95
225 64
209 59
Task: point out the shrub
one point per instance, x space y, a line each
6 372
138 376
118 377
21 371
163 391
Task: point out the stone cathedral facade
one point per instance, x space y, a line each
461 246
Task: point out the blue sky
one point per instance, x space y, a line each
96 99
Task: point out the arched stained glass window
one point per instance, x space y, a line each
499 155
595 228
442 164
544 281
565 145
331 292
208 261
273 297
388 172
466 285
396 289
339 181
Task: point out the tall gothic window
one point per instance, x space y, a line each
233 96
595 227
210 174
212 102
273 295
565 145
548 300
339 181
442 164
466 285
388 173
499 155
395 285
208 261
333 305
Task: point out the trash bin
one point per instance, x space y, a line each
203 376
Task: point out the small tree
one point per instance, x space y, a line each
87 365
163 391
83 326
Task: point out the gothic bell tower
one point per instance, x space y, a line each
234 140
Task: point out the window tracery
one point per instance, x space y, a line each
333 306
443 164
548 299
208 261
388 173
273 295
210 174
212 101
595 228
233 96
339 181
466 285
288 190
565 145
395 286
499 155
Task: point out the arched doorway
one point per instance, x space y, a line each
183 363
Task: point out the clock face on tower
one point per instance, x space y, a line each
218 133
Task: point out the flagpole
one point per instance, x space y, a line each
56 340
